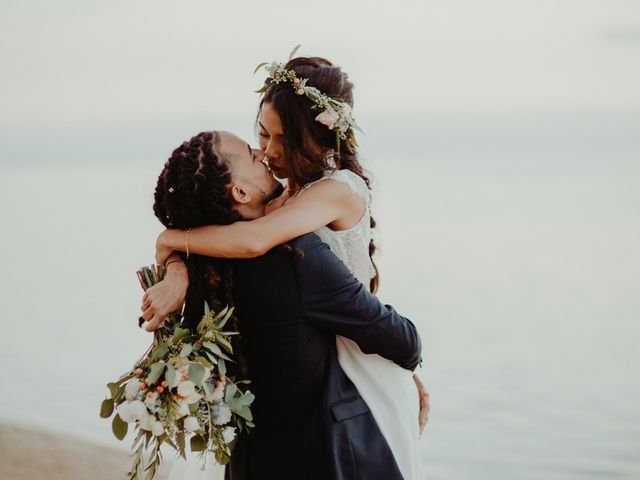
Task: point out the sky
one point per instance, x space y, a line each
98 80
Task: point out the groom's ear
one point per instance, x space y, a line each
239 195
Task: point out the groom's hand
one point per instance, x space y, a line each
165 297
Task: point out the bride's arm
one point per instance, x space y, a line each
319 205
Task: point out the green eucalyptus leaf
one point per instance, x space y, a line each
203 361
208 388
230 392
211 357
181 445
196 373
179 334
246 399
119 427
225 344
260 66
159 352
215 349
222 368
226 318
171 376
294 51
156 370
245 412
113 388
106 409
198 444
187 348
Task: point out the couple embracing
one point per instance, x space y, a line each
330 366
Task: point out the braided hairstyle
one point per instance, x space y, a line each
192 192
302 132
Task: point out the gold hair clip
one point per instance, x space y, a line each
170 189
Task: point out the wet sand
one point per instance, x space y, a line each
29 453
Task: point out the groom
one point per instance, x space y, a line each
311 422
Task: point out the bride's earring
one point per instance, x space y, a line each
330 159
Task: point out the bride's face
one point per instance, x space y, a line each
271 141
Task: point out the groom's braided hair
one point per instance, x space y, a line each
192 192
299 126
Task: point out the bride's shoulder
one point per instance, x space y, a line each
355 182
334 181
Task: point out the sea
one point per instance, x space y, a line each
520 267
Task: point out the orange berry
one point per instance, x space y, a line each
159 389
165 384
174 397
142 386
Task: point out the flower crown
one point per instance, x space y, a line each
335 114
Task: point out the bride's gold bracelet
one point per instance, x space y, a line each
186 242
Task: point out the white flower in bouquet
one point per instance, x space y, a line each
152 401
228 434
186 388
191 424
131 389
183 409
195 398
157 429
132 411
221 414
218 393
178 389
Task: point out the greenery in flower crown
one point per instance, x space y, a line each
335 114
179 388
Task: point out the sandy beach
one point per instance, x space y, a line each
29 453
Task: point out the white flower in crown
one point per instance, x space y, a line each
328 117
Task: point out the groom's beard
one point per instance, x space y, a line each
277 191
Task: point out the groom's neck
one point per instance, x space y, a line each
250 213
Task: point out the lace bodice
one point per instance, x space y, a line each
351 245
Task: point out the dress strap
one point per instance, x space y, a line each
353 180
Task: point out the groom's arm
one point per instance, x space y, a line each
334 300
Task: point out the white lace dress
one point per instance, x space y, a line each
388 389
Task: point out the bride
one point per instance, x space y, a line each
307 134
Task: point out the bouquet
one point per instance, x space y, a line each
178 391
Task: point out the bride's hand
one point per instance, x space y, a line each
162 251
165 297
424 402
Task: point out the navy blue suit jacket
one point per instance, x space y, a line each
311 422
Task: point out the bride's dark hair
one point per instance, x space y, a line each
192 192
303 134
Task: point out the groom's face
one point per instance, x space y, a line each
249 171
